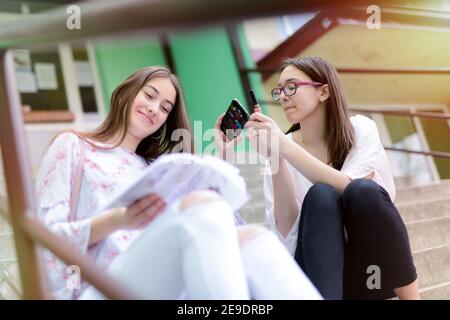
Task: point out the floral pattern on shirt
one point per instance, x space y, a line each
104 172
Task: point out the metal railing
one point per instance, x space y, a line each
404 113
314 29
411 114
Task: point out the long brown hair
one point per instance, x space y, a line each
117 120
339 135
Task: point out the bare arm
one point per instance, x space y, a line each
103 225
138 215
312 168
285 204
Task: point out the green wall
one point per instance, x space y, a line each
255 78
206 67
117 59
209 73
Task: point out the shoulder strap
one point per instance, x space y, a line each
77 183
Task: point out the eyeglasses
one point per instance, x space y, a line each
291 88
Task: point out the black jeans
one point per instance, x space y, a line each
377 244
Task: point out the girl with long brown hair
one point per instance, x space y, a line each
189 249
329 197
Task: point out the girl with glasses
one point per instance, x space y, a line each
330 197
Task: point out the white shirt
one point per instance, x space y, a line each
367 156
104 172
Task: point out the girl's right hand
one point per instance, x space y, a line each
140 213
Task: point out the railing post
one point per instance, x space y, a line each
16 161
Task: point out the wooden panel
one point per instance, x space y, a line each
48 116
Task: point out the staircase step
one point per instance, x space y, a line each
256 187
6 247
7 292
409 211
428 191
11 286
257 198
433 266
252 172
4 226
422 233
441 292
429 233
253 214
254 184
426 209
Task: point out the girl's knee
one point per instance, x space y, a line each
322 202
322 190
249 232
199 197
361 191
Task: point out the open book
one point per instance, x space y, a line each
173 176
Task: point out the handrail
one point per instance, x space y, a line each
428 115
104 17
411 114
16 161
68 254
393 112
415 70
436 154
315 28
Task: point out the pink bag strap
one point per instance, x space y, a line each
77 183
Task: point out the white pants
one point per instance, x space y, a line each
195 254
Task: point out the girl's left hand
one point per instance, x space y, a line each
264 134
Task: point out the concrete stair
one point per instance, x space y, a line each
426 212
7 255
427 191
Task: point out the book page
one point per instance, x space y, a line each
173 176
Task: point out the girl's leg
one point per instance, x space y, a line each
271 271
408 292
320 244
378 254
193 250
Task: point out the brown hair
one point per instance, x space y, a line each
339 133
117 120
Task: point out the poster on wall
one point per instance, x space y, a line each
83 73
26 82
22 60
46 76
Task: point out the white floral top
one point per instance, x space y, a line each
104 171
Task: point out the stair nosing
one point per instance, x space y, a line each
428 184
437 286
422 201
431 248
446 217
